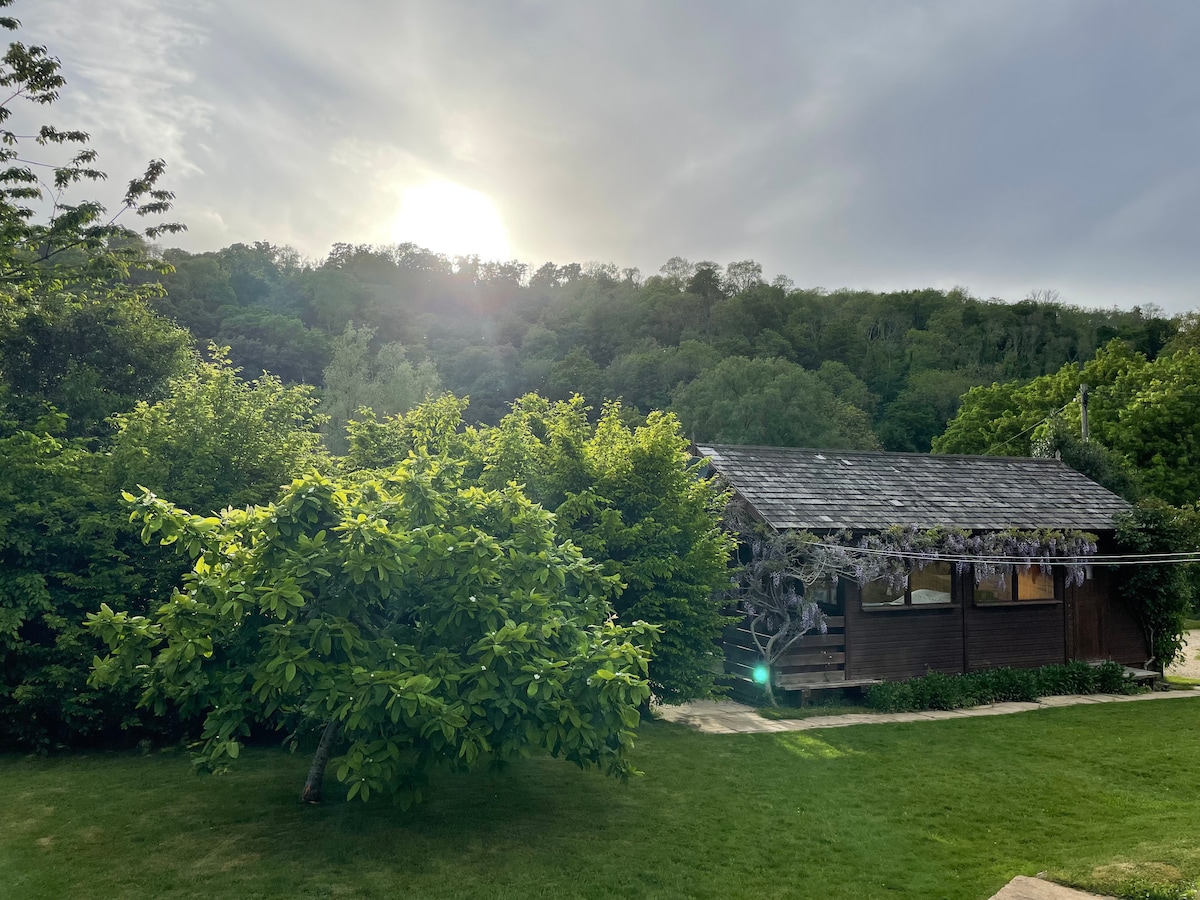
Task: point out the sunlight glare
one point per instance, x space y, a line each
448 218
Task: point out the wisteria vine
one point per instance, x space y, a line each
891 554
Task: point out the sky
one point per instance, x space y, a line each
1028 145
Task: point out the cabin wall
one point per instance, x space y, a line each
1125 641
1089 622
1020 636
893 644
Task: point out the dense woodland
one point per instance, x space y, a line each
738 359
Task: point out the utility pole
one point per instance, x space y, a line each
1083 403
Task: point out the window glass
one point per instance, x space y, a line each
1023 584
1034 584
930 584
823 591
990 590
877 594
925 586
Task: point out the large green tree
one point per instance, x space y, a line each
411 618
772 402
626 492
379 378
66 545
1145 411
631 497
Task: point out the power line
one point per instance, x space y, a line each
1112 559
1029 429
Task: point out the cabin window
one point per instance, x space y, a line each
823 591
926 586
1026 585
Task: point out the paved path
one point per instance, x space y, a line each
728 717
1024 888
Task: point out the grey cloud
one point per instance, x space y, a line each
1002 146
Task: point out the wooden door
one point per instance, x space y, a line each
1086 621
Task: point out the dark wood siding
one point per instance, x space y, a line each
1085 617
900 643
1100 625
1124 638
1018 636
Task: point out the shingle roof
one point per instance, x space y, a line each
868 491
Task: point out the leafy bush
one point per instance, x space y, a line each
938 690
1003 686
891 696
1160 595
1110 679
1075 677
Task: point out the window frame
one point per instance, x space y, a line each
1011 584
954 602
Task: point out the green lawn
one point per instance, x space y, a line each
948 809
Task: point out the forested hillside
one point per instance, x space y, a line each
739 360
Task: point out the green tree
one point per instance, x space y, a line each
412 618
1161 594
217 440
59 559
76 345
772 402
46 237
1156 427
263 341
1146 411
921 410
631 498
87 355
382 380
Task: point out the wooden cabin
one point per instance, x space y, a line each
944 621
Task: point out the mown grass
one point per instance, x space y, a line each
947 809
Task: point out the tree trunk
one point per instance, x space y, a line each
316 772
770 690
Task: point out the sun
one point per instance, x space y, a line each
448 218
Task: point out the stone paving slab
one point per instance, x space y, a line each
1025 888
729 717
